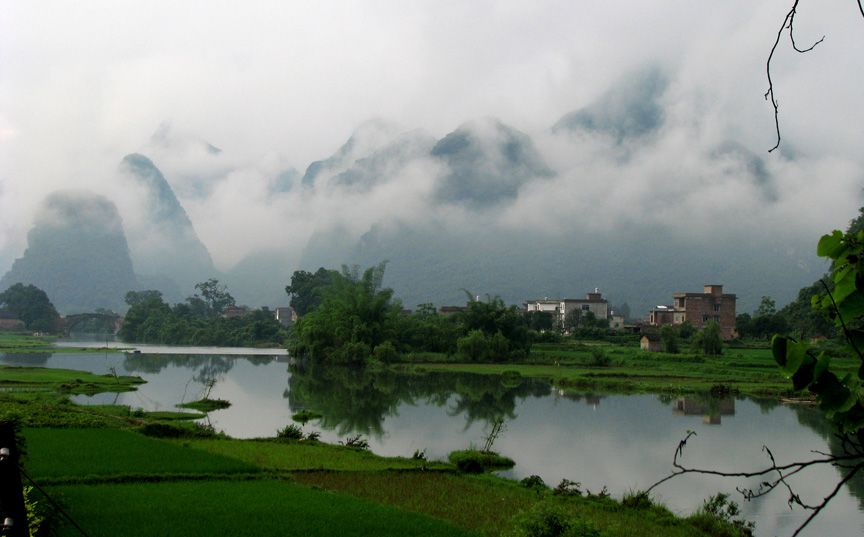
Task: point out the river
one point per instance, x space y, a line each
622 442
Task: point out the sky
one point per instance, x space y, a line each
277 85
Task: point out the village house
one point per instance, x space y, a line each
712 304
561 307
285 315
234 311
651 342
9 321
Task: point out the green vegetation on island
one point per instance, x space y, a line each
201 320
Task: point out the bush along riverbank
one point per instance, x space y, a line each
114 469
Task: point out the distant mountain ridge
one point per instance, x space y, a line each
77 253
163 241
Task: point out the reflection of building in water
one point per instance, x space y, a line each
590 399
709 409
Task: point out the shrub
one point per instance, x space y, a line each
599 358
637 499
474 346
545 520
568 488
161 430
356 442
290 432
165 430
721 517
534 482
386 353
473 461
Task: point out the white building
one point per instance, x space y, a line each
561 307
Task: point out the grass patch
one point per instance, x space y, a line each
80 454
749 371
169 416
305 415
473 461
239 508
282 456
492 506
63 380
206 405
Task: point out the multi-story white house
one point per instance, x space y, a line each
561 307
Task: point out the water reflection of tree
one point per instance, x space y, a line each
204 365
814 418
358 400
26 358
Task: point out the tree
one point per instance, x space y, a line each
708 340
306 289
146 316
669 339
212 298
32 306
493 317
766 307
355 316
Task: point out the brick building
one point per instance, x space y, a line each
712 304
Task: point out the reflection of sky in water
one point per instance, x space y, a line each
622 442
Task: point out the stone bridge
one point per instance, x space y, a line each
111 321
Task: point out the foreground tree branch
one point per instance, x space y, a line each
787 26
851 460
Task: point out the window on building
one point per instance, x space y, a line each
704 317
585 307
680 302
717 307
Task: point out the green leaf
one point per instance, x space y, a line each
852 307
796 352
778 349
805 374
831 245
823 363
834 396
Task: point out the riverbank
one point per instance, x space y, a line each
124 472
615 368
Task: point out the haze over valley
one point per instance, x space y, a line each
529 160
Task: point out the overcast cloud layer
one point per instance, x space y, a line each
277 85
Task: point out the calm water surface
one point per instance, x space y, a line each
621 442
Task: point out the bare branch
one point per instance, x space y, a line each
783 472
828 498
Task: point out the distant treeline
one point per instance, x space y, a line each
198 321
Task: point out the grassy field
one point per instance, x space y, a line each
116 482
92 454
21 343
628 369
293 456
237 508
487 505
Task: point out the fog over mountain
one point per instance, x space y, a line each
524 149
77 253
